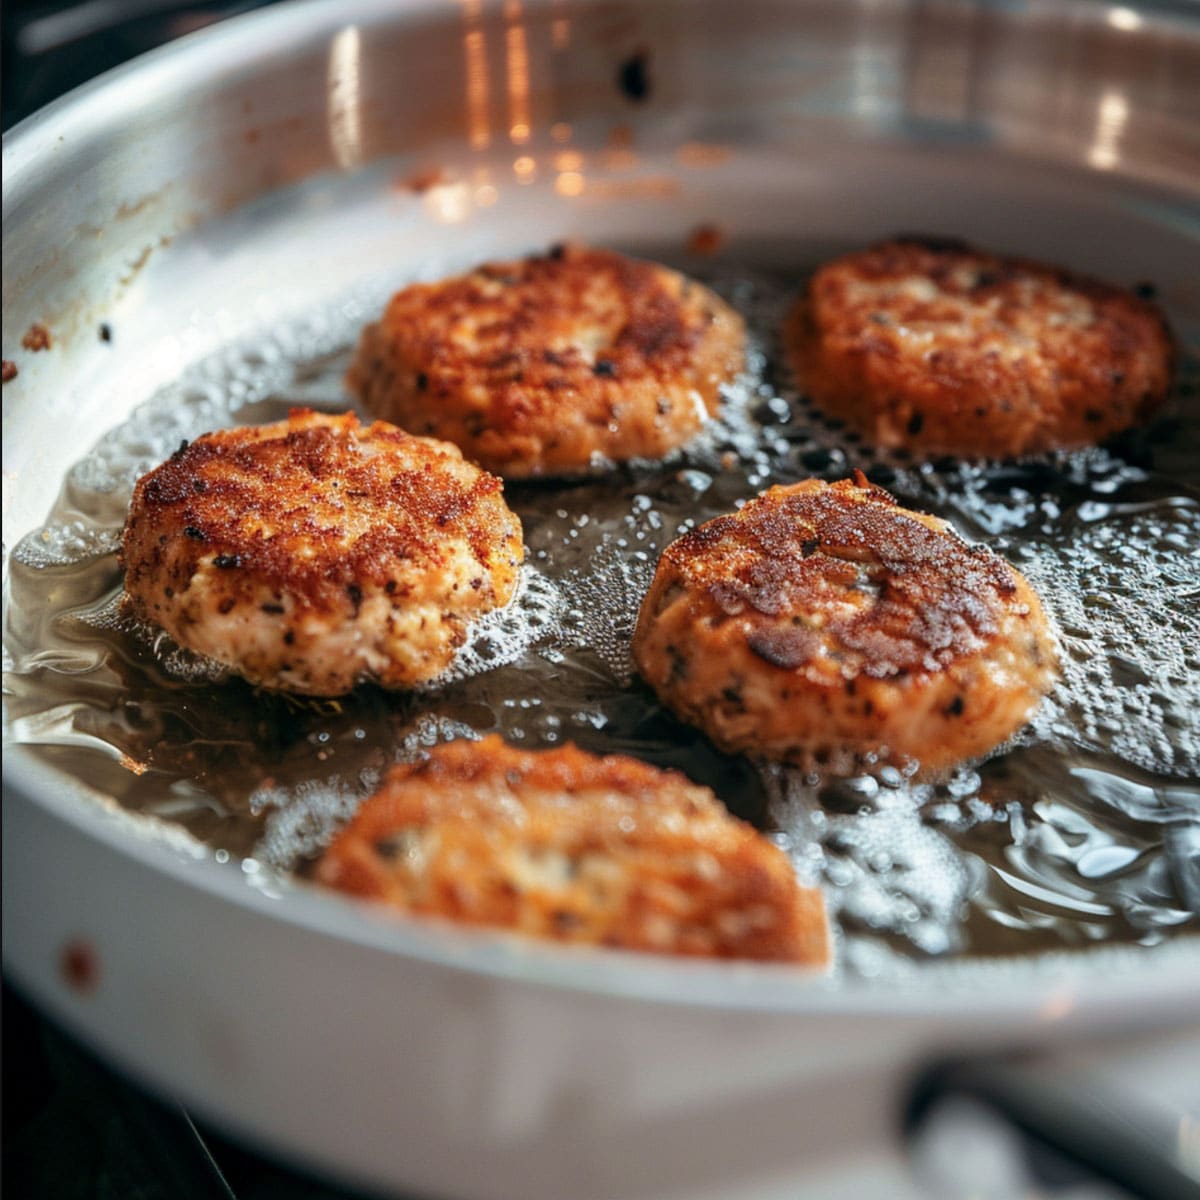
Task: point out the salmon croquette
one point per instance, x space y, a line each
552 365
314 554
942 349
569 846
823 623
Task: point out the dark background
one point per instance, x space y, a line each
50 48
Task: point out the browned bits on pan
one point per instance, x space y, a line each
314 553
422 180
564 845
705 239
79 966
551 364
823 623
930 344
37 337
8 371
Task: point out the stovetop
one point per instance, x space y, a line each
75 1130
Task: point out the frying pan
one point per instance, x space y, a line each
251 171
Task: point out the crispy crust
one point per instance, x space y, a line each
313 553
568 846
823 622
941 348
544 366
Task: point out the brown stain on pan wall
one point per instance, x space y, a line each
37 337
79 966
66 308
706 239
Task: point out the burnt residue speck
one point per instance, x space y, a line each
604 367
37 337
633 77
79 966
105 332
227 560
705 239
197 535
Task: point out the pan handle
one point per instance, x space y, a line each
1086 1120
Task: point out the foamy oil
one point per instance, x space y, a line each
1085 829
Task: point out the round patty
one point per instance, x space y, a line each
552 365
566 845
823 623
941 348
313 554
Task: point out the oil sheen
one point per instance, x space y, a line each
1085 829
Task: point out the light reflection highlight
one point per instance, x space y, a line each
560 25
479 126
569 183
1112 115
517 61
343 111
1125 19
448 203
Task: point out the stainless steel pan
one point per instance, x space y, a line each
249 173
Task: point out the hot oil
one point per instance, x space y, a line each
1085 829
